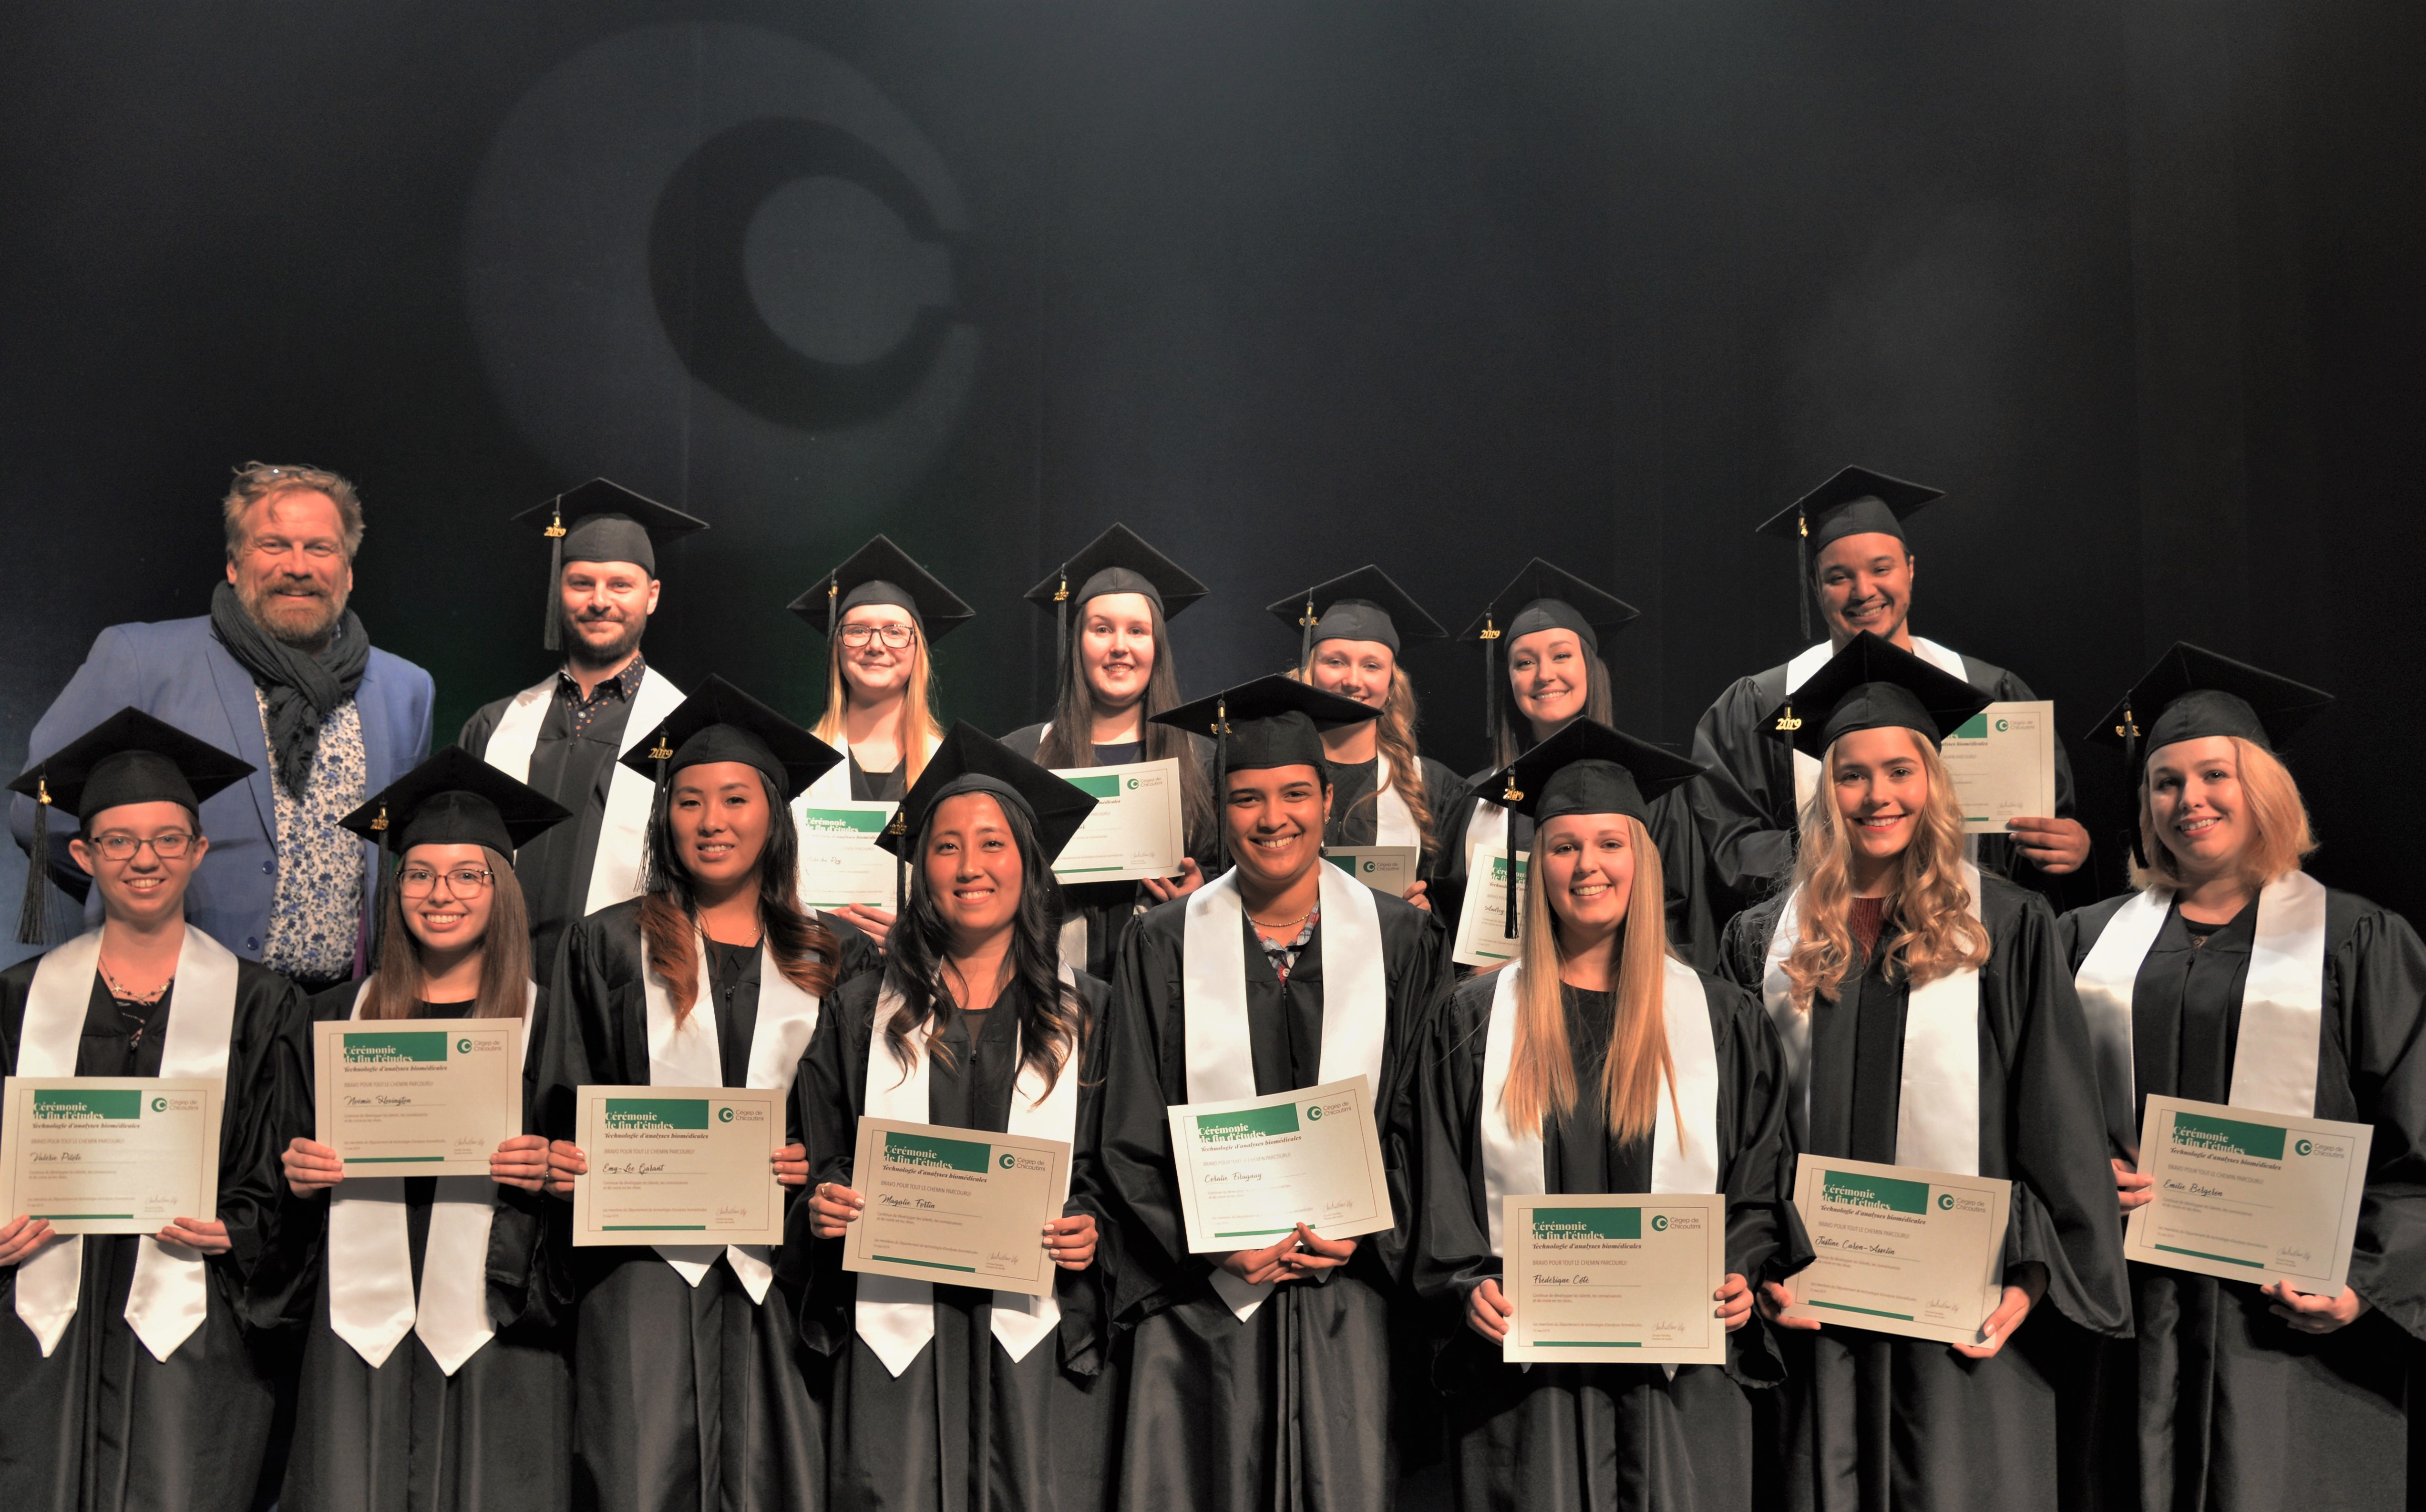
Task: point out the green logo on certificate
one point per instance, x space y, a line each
1587 1223
91 1105
462 1046
1659 1223
2229 1136
1254 1123
159 1105
1879 1194
935 1154
400 1046
1008 1160
2305 1147
639 1114
1946 1202
724 1115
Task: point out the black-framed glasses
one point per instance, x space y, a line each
895 636
119 846
463 882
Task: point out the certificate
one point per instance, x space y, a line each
1902 1250
2002 760
1253 1169
434 1097
678 1165
1615 1280
1135 829
960 1206
840 861
2249 1197
109 1154
1482 940
1386 869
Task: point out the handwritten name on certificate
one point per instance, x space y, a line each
1135 829
2002 760
1386 869
427 1096
1902 1250
1482 938
110 1154
2250 1196
678 1165
840 861
1253 1169
1615 1279
960 1206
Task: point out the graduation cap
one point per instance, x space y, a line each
882 572
1874 684
454 798
129 758
1541 597
1274 720
1586 768
1856 501
970 761
608 523
1364 605
1116 562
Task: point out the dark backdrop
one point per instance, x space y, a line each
1287 287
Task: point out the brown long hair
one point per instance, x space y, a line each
1931 933
803 948
1394 732
2281 835
399 977
1070 743
1508 744
919 729
1542 1065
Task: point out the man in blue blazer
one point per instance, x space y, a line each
281 675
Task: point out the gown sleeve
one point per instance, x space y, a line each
1739 799
269 1102
1685 873
1127 1177
1765 1236
827 1093
2380 974
1450 1243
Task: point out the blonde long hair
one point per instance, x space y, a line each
919 729
1542 1065
2281 835
1929 933
1394 733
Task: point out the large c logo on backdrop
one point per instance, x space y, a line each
711 261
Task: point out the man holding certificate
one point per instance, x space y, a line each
1599 1064
2233 978
948 1392
127 1358
1259 1376
1928 1025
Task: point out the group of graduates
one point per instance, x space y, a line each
1782 944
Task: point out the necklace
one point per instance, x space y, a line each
123 995
1292 923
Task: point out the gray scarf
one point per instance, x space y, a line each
299 689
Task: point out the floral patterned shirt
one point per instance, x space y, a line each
1283 956
318 906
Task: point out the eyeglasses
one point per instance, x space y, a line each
119 846
896 637
416 882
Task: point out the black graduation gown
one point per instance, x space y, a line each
1355 805
685 1397
877 787
1871 1421
1593 1438
101 1425
1684 868
1745 806
1290 1410
965 1429
2233 1409
404 1436
1109 907
554 869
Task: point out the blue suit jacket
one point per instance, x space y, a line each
177 672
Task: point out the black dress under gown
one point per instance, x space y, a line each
404 1436
1292 1409
1596 1437
1872 1420
964 1428
101 1425
2218 1405
685 1397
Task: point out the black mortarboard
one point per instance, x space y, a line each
1274 720
454 798
1116 562
1364 605
969 761
721 723
1587 768
1874 684
129 758
2193 693
601 521
1541 597
1856 501
882 572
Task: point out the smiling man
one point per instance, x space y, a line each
1258 1378
1860 571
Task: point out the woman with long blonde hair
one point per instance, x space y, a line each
2231 975
1597 1063
1929 1024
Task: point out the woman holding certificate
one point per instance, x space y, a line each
432 1357
2232 977
1929 1024
131 1373
687 1380
1598 1063
955 1396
